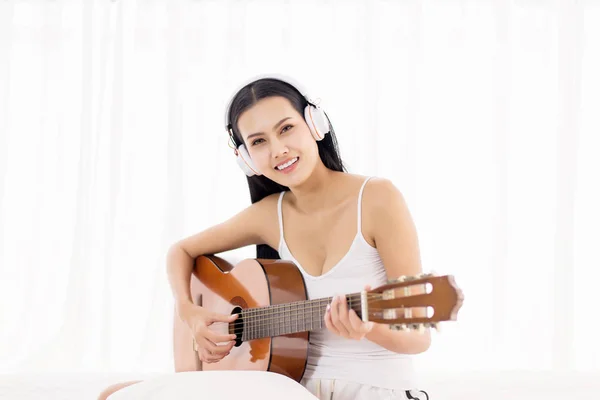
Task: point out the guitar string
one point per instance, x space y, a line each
240 327
301 303
307 326
258 329
266 321
351 297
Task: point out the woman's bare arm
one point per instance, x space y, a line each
245 228
395 237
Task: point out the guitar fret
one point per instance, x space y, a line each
248 326
280 324
303 320
321 314
296 316
273 326
258 318
242 317
253 326
271 321
260 324
267 332
260 327
285 325
285 318
312 315
276 325
257 325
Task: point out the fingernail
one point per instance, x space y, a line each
328 308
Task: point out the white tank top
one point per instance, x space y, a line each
331 356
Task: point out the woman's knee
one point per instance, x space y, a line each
114 388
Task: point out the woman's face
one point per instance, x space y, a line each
279 141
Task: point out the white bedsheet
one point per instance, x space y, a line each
513 385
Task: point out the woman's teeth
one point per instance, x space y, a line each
287 164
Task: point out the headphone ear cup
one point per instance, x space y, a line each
317 122
245 162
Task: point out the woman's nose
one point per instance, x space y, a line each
278 148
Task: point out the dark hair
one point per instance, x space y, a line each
260 186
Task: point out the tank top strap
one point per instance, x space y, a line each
280 217
362 188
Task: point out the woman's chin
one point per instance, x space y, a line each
288 180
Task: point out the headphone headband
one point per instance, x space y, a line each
290 81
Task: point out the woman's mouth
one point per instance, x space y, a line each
288 166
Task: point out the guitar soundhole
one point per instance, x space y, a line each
238 326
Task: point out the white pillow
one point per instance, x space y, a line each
223 385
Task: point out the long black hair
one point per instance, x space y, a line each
260 186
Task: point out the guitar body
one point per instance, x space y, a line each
223 289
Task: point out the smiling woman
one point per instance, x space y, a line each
343 232
269 98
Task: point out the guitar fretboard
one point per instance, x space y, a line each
284 319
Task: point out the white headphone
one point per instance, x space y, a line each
315 118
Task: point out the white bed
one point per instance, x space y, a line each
441 386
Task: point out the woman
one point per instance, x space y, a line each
344 231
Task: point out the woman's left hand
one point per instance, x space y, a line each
344 322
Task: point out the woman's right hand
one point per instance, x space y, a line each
198 319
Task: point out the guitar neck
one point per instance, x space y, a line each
284 319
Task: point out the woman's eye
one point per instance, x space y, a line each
260 140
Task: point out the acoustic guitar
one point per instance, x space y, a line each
276 317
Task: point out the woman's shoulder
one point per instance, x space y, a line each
375 186
383 208
377 191
381 196
380 192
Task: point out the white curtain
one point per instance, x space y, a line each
112 147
